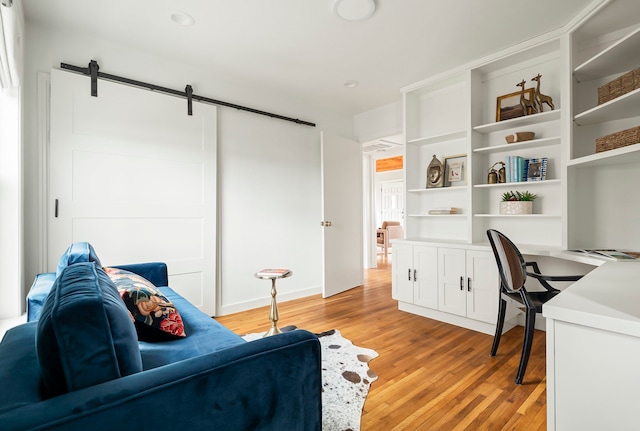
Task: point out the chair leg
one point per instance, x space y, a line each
526 345
502 308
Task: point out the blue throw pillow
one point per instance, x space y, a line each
85 335
76 253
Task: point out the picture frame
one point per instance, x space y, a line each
508 105
455 170
537 169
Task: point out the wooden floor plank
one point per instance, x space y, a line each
432 376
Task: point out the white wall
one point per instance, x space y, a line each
10 204
269 170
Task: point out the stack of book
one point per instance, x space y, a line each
519 169
443 210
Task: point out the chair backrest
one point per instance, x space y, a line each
386 224
511 265
395 232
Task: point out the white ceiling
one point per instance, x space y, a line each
300 48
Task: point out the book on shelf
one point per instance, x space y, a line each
273 272
443 210
611 254
516 169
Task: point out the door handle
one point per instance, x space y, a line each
409 273
415 275
461 283
325 223
468 284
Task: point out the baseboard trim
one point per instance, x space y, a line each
464 322
264 301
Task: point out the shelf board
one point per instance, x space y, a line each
440 215
617 58
628 154
543 142
625 106
437 189
519 122
519 215
528 183
443 137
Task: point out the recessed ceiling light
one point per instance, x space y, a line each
353 10
182 18
351 84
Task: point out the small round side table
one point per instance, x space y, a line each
273 275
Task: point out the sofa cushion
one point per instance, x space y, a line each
76 253
19 372
85 335
155 316
206 335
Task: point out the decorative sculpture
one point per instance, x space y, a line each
524 102
435 176
541 98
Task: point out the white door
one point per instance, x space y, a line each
452 296
482 286
402 273
134 175
391 201
426 276
343 267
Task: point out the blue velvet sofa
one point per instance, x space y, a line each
209 380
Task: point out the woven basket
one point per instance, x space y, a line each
619 139
623 84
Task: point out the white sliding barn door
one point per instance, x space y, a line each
134 175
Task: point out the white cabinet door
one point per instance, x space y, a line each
452 296
425 263
402 279
482 286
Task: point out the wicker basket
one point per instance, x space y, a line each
619 139
623 84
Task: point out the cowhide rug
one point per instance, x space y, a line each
346 378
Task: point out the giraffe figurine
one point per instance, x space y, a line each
524 102
539 97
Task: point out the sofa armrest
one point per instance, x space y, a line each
269 384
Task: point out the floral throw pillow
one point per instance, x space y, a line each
154 315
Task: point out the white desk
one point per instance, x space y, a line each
593 350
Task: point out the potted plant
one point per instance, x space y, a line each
517 203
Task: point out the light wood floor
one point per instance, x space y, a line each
432 376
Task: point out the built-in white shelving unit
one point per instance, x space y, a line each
588 199
601 212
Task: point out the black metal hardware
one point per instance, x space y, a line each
409 273
93 71
415 275
189 91
153 87
469 284
55 211
461 283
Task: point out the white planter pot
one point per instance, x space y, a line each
516 207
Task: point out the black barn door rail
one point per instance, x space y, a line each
93 71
